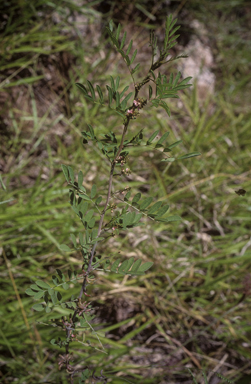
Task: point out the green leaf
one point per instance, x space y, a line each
174 144
83 206
130 263
100 93
124 90
129 48
38 295
85 197
47 309
46 296
123 267
112 83
168 219
154 207
118 31
166 108
137 218
127 196
73 239
162 211
35 287
123 41
161 140
60 274
91 223
135 68
153 74
98 200
30 292
81 238
133 56
69 273
80 178
91 131
55 280
136 266
38 307
117 100
185 81
144 267
192 154
109 95
176 79
173 218
126 99
42 284
115 265
111 25
50 291
94 233
65 248
66 173
152 137
91 89
117 83
59 296
93 191
89 215
136 198
71 174
174 30
65 286
4 187
145 203
84 90
129 218
54 297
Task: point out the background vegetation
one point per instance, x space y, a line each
192 310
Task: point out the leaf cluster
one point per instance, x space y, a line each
155 211
167 89
160 144
119 45
128 266
42 290
116 101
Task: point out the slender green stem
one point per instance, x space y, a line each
83 288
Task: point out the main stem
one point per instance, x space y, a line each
113 164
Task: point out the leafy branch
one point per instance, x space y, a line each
92 208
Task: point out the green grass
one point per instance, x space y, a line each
185 312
